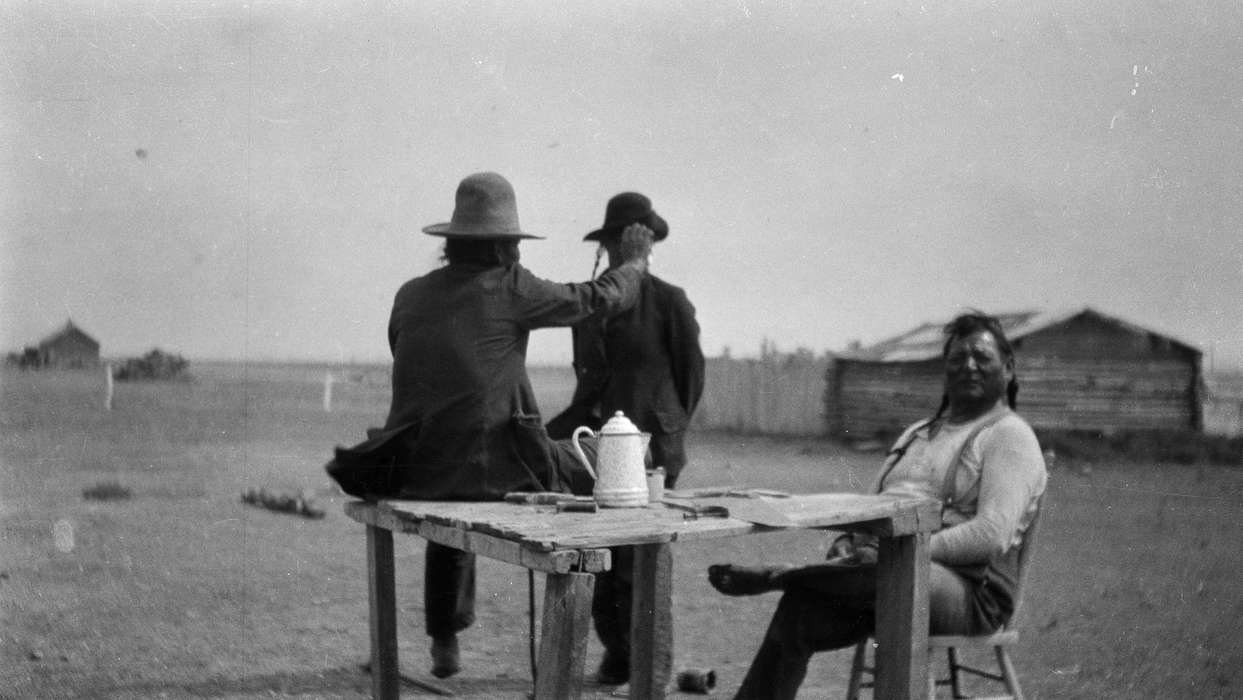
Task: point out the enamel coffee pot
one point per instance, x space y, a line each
621 480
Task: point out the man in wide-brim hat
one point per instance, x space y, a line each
646 362
463 423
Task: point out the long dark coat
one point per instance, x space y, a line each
464 423
644 361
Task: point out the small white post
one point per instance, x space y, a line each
328 392
108 386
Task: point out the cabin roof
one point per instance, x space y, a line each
65 331
924 342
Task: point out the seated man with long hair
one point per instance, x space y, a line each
976 456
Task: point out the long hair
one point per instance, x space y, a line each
975 322
488 252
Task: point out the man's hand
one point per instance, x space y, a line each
842 549
867 554
853 549
636 245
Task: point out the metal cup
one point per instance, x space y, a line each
696 680
655 484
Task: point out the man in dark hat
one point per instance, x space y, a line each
463 423
646 362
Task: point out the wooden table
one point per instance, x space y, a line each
570 547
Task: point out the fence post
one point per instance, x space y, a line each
108 386
328 392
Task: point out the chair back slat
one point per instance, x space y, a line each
1028 545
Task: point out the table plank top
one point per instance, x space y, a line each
542 528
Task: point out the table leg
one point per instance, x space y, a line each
651 622
902 617
385 673
563 640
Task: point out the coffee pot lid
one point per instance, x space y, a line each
619 424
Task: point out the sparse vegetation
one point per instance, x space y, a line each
156 365
28 358
107 491
1178 447
296 503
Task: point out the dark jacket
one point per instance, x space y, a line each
644 361
464 423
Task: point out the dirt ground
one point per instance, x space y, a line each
183 591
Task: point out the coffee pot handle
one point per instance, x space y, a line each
579 450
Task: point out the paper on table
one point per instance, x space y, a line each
753 510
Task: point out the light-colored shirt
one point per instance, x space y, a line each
996 489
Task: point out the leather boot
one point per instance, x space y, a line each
445 658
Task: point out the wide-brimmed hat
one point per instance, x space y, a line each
630 208
484 208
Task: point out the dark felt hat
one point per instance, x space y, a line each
485 208
630 208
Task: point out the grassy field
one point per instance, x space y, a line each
181 590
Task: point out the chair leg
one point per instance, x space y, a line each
856 670
951 656
1008 673
858 666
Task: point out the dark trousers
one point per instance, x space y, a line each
449 573
611 600
833 606
835 611
448 590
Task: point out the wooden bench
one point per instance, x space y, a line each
570 547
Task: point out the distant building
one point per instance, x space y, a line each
1080 370
69 348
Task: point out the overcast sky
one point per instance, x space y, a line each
229 180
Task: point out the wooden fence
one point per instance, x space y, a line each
1223 404
785 394
778 394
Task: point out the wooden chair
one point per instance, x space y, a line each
999 641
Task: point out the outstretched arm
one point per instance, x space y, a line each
549 304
